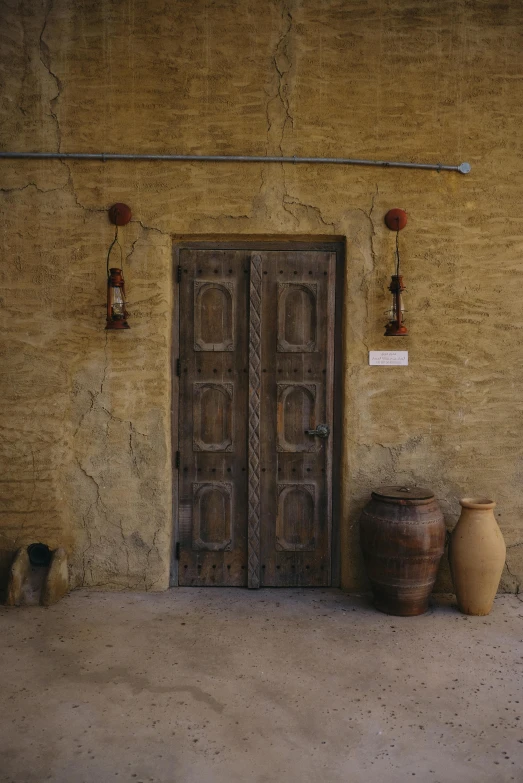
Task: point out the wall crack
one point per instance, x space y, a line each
30 185
277 107
287 199
45 59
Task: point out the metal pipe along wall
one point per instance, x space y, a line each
463 168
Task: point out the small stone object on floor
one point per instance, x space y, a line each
18 575
56 584
30 585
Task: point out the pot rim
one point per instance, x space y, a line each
477 502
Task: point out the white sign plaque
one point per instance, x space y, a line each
389 358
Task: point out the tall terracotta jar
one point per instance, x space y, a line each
477 556
402 537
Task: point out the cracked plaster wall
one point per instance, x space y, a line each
85 415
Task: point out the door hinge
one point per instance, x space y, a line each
177 460
177 551
179 275
178 367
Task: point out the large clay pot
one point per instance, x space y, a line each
402 535
477 556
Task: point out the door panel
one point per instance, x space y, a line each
296 396
256 386
212 417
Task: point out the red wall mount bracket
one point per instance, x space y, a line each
396 219
120 214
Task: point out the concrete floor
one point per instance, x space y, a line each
211 685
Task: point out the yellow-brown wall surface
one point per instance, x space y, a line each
85 414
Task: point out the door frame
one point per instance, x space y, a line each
330 244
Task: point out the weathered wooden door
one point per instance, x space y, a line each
255 416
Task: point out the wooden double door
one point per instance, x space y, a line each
256 418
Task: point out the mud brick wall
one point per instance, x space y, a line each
85 414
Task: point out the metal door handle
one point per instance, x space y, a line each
321 431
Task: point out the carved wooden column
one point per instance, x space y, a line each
254 422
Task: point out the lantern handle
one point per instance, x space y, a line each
397 253
113 243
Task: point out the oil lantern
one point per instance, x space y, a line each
116 312
119 215
396 219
